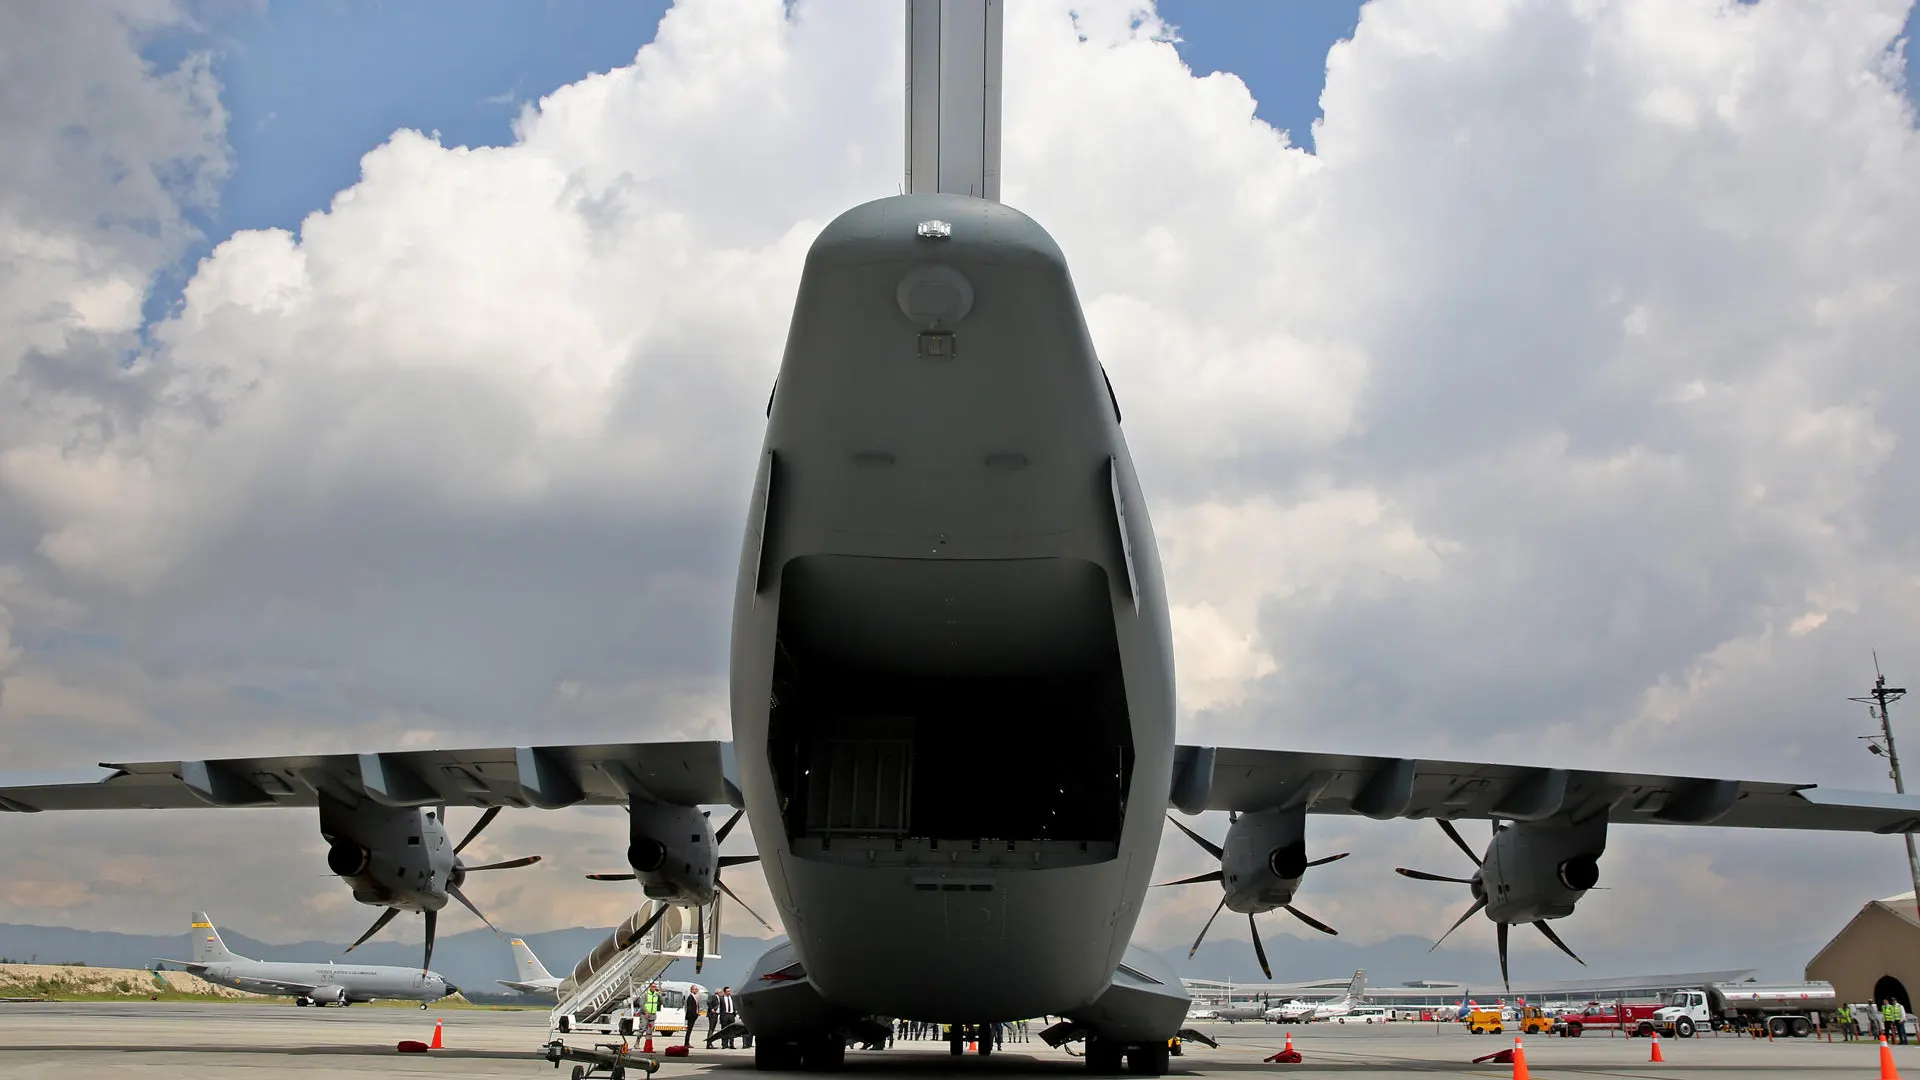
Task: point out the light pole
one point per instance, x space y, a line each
1876 702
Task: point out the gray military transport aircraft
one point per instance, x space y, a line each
307 984
947 553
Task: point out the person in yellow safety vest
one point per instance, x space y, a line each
1844 1016
651 1005
1895 1019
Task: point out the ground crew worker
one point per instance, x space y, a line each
1892 1022
651 1005
1845 1017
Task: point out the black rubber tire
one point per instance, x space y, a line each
579 1072
1148 1060
1801 1027
618 1072
1103 1057
1683 1028
956 1047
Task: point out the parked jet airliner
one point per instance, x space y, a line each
948 553
306 984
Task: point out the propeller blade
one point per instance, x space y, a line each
737 860
1468 914
1310 921
1259 950
700 937
1555 938
1217 875
454 891
508 865
720 834
385 918
1203 930
1330 858
1212 848
1500 935
1422 875
612 877
485 820
659 912
735 897
433 921
1459 841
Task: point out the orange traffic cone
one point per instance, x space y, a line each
1656 1048
972 1046
1887 1071
435 1044
1520 1061
1288 1055
648 1049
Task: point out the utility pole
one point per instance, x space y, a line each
1876 702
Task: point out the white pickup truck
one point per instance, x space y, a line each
1788 1010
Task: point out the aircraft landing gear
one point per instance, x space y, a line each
1150 1060
1103 1057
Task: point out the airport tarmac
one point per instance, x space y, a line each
222 1042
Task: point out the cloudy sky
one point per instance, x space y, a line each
1517 380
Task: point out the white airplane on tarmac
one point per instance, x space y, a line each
947 552
1305 1012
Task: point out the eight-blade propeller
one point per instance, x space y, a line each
1478 888
700 922
1259 949
456 879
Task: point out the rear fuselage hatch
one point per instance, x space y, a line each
922 703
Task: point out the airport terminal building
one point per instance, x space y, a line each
1432 993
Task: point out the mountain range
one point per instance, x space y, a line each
474 959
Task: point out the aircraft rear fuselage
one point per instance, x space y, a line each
951 672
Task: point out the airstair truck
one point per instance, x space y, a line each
1786 1010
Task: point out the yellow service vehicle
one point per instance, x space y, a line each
1535 1021
1484 1022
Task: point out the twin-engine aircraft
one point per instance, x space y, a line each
306 984
952 672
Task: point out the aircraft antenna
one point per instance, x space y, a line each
1876 702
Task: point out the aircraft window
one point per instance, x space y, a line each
413 841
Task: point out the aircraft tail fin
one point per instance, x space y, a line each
527 965
1358 987
207 946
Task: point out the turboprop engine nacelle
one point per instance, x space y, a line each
1536 871
392 856
673 852
1264 859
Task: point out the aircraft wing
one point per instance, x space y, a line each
689 773
1225 778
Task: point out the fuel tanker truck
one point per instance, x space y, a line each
1786 1010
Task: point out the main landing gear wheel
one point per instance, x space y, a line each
825 1054
776 1055
1103 1057
1148 1060
579 1072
